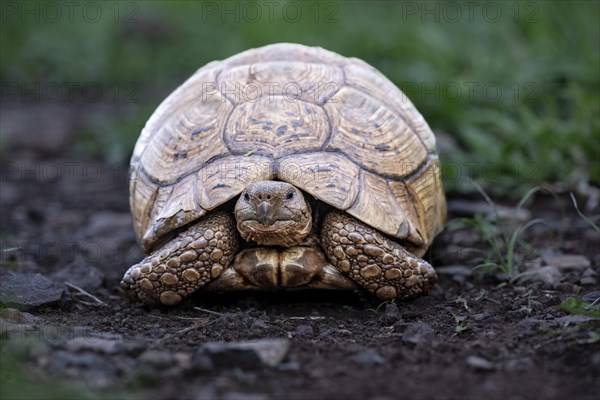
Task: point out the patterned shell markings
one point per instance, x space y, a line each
352 139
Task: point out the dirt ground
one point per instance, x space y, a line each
471 338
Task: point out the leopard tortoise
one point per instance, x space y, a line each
285 167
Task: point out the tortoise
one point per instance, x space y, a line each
285 167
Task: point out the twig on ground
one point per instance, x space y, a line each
196 319
192 327
87 294
207 311
588 308
492 300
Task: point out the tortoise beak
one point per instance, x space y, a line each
265 214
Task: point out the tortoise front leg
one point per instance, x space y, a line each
376 262
186 263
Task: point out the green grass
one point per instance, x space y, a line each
505 250
584 217
459 325
517 94
502 236
18 382
575 306
22 372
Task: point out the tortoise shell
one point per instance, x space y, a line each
333 126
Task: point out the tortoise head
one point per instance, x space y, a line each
273 213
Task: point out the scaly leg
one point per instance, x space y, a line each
186 263
376 262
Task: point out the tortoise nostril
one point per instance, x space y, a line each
268 197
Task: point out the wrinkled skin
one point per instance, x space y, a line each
345 254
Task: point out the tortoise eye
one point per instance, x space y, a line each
246 196
290 195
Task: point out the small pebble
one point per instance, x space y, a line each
550 275
480 363
251 354
157 358
368 356
591 296
481 317
292 366
17 316
587 281
566 261
416 332
519 364
201 362
97 345
305 330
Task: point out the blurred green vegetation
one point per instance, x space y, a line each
18 384
20 376
514 85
